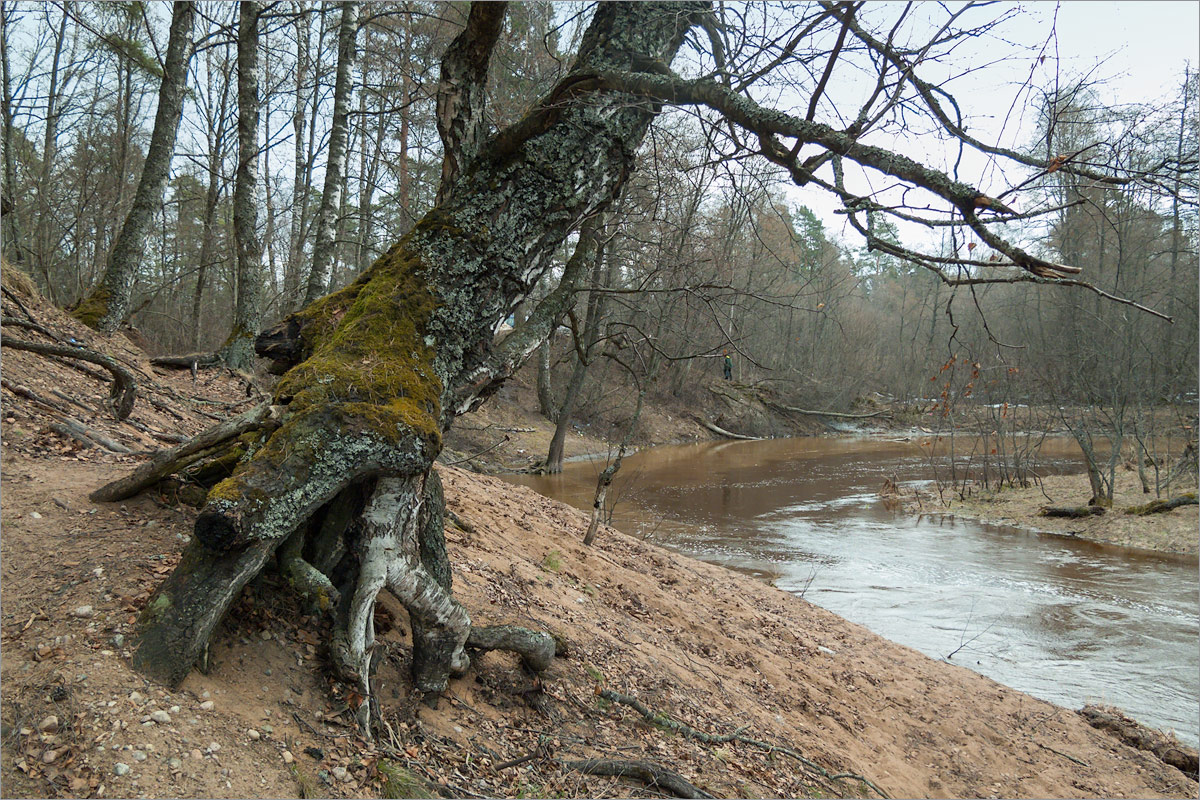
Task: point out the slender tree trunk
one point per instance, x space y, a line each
238 351
13 242
588 249
41 236
110 303
300 179
325 248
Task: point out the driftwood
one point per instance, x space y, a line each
1071 512
727 434
124 388
1160 506
1136 735
838 414
173 459
650 774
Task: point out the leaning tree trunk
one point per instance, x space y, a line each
335 166
379 369
109 303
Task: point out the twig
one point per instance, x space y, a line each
477 455
1067 756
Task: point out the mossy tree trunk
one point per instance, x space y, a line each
377 371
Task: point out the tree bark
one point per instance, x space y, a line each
386 363
238 350
110 302
325 247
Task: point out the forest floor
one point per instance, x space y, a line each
801 694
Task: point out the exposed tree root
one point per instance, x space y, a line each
661 720
650 774
124 389
1136 735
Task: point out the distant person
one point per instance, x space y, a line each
728 366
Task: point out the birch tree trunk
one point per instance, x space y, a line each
109 304
238 350
325 246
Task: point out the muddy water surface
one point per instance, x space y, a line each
1069 621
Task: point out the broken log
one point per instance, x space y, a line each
189 361
1071 512
728 434
1161 506
173 459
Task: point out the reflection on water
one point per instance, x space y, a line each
1069 621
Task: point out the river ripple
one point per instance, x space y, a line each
1068 621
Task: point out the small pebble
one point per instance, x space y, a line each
82 611
34 515
268 729
267 671
204 695
120 769
253 734
175 763
341 773
174 709
49 756
136 697
207 705
119 640
138 755
213 747
266 636
48 724
288 757
197 755
160 716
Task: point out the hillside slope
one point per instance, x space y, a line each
695 644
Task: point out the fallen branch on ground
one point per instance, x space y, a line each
663 721
1071 512
173 459
189 361
650 774
74 429
727 434
838 414
124 389
1160 506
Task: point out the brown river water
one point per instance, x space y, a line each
1065 620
